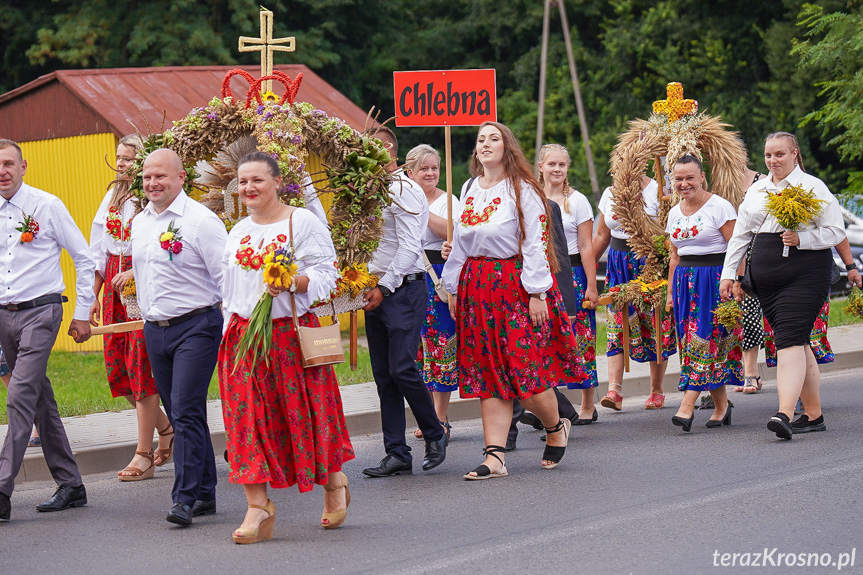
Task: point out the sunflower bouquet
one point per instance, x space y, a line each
728 314
354 281
792 207
279 268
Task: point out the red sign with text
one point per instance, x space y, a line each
445 97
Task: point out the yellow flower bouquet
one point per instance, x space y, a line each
353 283
792 207
728 314
279 269
129 299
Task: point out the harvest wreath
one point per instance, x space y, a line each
210 141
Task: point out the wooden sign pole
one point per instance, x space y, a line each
624 314
123 327
353 336
448 156
657 329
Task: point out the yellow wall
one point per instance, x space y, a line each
74 170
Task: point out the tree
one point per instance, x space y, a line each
833 48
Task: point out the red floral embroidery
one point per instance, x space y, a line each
250 260
114 225
469 218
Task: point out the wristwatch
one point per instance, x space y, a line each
385 291
739 279
540 296
293 287
849 267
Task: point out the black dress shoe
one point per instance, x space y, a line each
5 508
204 508
685 424
587 421
180 514
435 453
781 426
803 425
389 466
530 419
64 498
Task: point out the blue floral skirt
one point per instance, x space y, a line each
584 327
622 268
710 356
500 354
438 361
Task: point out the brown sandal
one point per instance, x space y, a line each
134 474
164 455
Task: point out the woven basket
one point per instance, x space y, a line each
343 304
132 309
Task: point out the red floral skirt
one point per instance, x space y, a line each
500 354
126 359
283 424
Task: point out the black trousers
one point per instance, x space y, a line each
393 332
564 408
183 358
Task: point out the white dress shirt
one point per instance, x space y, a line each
405 221
580 212
313 248
169 287
102 243
498 237
32 270
606 207
822 233
431 241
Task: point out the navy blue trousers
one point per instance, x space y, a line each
183 357
393 333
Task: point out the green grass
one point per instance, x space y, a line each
80 385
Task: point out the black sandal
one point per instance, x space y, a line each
553 453
483 471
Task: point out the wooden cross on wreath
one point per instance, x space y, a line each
674 106
266 45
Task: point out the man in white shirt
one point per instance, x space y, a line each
178 279
36 227
394 317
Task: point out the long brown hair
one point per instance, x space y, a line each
122 184
517 169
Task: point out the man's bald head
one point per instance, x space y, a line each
163 175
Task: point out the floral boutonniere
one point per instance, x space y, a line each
29 228
171 241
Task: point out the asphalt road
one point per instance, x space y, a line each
634 495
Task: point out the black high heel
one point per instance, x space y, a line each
720 422
686 424
588 420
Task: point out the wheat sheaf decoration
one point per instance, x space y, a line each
674 129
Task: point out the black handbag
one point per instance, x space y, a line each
746 281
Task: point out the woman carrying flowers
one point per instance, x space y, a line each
514 337
710 355
791 289
284 425
126 359
439 369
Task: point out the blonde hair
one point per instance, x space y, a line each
794 145
121 184
543 155
418 155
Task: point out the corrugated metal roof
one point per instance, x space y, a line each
70 103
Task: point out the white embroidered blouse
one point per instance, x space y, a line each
242 263
606 207
438 207
699 234
488 227
111 231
